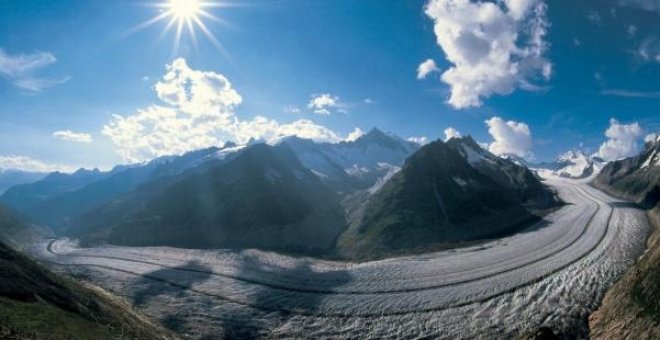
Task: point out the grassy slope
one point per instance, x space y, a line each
631 308
37 304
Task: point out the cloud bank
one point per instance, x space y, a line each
198 110
23 163
495 47
621 142
509 137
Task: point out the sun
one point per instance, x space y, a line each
186 15
184 10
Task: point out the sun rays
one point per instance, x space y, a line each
186 17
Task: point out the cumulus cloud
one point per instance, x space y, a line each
322 104
20 70
23 163
355 134
621 142
427 67
495 47
73 136
450 133
509 137
198 111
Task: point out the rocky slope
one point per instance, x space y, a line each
507 172
635 178
352 166
438 197
631 308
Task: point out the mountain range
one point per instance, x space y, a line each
366 198
58 198
575 164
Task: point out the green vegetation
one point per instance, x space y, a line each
40 320
37 304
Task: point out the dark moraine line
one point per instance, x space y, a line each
303 312
376 292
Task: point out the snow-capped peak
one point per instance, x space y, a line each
576 164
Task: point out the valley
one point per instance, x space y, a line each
553 273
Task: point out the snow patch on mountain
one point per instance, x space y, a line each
369 159
574 164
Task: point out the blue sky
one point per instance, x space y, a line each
596 60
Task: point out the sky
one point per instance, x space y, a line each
96 83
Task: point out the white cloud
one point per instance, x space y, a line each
631 30
20 70
355 134
266 129
322 104
509 137
427 67
622 140
73 136
23 163
421 140
495 47
450 133
198 112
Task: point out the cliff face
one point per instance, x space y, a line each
631 308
